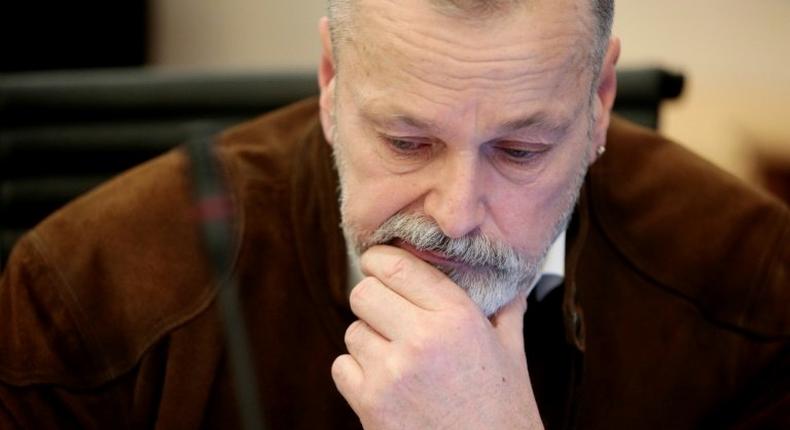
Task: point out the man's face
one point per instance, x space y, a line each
479 126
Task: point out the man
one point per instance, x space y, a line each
463 134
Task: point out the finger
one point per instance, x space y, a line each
364 344
348 377
414 279
386 311
509 323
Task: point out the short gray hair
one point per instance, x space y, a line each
603 11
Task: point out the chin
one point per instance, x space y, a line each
491 290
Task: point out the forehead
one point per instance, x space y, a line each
409 53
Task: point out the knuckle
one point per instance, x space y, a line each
436 276
395 368
397 268
338 367
418 353
360 292
419 342
365 260
352 332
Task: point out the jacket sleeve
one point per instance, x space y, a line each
55 372
43 353
765 403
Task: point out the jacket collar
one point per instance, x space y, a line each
572 312
315 219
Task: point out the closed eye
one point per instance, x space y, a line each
519 156
407 146
518 153
404 145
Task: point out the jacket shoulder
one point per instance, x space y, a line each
99 281
694 229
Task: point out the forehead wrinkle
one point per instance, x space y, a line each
424 71
496 71
421 18
499 87
421 58
487 43
454 51
371 99
382 107
487 35
400 52
545 21
451 46
526 92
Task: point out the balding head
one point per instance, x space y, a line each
600 12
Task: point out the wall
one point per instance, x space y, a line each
735 54
235 34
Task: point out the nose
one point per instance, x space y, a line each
456 201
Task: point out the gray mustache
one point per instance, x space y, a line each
474 250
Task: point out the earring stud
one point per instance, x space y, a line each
601 149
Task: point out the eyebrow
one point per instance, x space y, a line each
540 122
400 120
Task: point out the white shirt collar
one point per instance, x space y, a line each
552 273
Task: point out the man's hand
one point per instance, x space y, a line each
422 356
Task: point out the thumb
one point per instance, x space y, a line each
509 323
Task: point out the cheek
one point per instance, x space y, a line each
371 193
525 218
527 215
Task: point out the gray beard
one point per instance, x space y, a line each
492 272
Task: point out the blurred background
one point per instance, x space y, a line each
734 55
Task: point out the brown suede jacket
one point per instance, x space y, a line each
674 313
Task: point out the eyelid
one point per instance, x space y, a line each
416 145
533 152
422 146
523 146
411 139
407 138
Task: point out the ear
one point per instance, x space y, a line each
605 94
326 80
